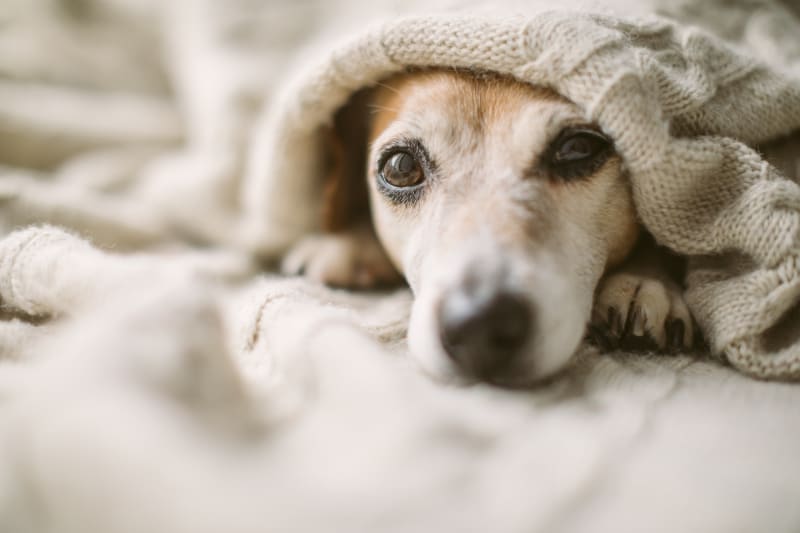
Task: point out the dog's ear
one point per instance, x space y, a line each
345 201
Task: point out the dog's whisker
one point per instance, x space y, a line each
375 108
388 87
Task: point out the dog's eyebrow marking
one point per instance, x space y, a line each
559 119
553 121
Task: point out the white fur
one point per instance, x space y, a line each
484 216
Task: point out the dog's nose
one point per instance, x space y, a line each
482 334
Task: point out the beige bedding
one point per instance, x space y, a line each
152 378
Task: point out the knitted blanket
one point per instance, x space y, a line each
154 378
683 106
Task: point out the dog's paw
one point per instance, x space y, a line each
351 260
634 312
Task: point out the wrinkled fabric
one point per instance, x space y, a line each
683 106
152 378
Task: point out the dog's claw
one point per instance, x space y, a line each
641 314
633 326
614 322
675 334
598 337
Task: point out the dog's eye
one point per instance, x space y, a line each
578 152
580 146
402 169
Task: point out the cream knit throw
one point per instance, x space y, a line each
153 379
682 105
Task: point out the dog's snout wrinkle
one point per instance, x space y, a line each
483 333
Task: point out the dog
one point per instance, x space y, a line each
509 215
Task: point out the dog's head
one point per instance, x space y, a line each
502 206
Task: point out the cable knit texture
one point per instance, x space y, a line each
153 378
683 107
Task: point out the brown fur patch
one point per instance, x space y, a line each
345 200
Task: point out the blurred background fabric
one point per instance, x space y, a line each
92 97
152 378
123 119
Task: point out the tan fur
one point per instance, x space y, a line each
490 215
484 107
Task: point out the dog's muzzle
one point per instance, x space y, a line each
484 331
493 314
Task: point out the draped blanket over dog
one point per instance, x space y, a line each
682 107
154 154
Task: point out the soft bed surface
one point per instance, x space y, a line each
152 378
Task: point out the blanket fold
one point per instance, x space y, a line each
153 378
683 107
